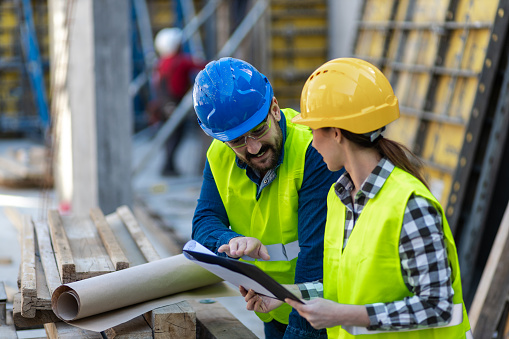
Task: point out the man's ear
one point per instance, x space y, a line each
275 110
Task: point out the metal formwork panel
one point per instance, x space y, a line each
17 108
433 53
298 44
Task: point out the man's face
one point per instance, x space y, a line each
263 154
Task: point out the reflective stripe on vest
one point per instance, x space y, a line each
456 319
280 252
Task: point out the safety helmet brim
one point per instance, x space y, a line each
365 121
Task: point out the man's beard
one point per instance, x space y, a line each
271 162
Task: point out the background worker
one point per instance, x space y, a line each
264 185
173 76
390 262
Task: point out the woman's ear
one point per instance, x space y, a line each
338 136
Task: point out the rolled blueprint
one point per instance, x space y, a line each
128 287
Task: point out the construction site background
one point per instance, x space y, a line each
446 60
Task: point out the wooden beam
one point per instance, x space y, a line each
47 256
63 254
7 331
126 241
136 328
137 234
43 296
163 238
215 321
3 302
89 254
173 321
28 282
62 330
493 289
41 316
111 244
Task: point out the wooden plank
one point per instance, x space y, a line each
168 244
89 254
491 295
215 321
43 296
173 321
62 330
7 331
41 316
62 248
137 234
47 256
111 244
3 302
126 241
136 328
28 279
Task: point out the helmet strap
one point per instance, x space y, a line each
375 135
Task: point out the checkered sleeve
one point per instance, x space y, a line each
426 273
311 290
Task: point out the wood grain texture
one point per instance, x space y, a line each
41 316
136 328
215 321
28 278
62 248
137 234
173 321
89 255
109 240
493 290
47 256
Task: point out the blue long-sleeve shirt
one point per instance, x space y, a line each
211 225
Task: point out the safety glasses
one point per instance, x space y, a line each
255 134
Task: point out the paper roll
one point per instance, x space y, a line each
128 287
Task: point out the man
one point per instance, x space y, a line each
264 187
173 77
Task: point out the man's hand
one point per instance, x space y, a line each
237 247
259 303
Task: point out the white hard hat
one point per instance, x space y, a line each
168 41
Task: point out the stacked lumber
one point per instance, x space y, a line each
489 312
26 167
66 249
7 330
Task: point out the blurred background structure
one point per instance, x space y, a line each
75 79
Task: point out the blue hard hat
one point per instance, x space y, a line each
230 98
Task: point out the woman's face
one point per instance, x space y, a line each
325 142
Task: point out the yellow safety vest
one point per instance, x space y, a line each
368 270
273 217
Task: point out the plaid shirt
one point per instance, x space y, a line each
423 255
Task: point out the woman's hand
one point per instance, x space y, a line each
259 303
323 313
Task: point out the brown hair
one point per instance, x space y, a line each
397 153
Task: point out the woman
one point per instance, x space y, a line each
390 264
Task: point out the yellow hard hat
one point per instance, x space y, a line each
350 94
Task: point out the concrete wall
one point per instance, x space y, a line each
343 17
